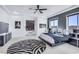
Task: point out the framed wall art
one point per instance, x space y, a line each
17 24
30 25
42 25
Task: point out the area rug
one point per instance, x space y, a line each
29 46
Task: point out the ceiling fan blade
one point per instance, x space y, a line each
43 9
37 6
40 11
36 9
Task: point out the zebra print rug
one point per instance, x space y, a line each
27 47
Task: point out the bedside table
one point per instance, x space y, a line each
74 39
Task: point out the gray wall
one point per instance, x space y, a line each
62 18
62 22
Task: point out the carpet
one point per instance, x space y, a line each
29 46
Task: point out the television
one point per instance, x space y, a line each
4 27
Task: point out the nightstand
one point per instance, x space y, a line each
74 39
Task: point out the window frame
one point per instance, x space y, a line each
54 23
67 19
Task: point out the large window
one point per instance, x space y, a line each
54 24
73 21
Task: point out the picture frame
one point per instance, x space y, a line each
30 25
42 25
17 24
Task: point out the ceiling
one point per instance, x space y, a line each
24 9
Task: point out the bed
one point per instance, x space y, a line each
54 39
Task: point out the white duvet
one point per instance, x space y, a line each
47 38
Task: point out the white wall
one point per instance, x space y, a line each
22 31
4 17
16 32
42 20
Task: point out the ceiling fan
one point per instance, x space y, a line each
39 9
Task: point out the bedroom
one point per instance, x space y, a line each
20 16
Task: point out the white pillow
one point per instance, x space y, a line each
66 32
60 35
60 30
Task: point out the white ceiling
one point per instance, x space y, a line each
24 9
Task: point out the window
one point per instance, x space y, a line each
73 22
51 23
54 23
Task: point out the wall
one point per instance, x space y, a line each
3 16
22 31
8 18
42 20
16 32
62 22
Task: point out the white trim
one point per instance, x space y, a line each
67 23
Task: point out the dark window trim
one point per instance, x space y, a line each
76 13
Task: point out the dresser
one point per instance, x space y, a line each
4 38
5 35
74 39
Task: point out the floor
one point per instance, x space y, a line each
61 49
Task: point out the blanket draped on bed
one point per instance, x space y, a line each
57 38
